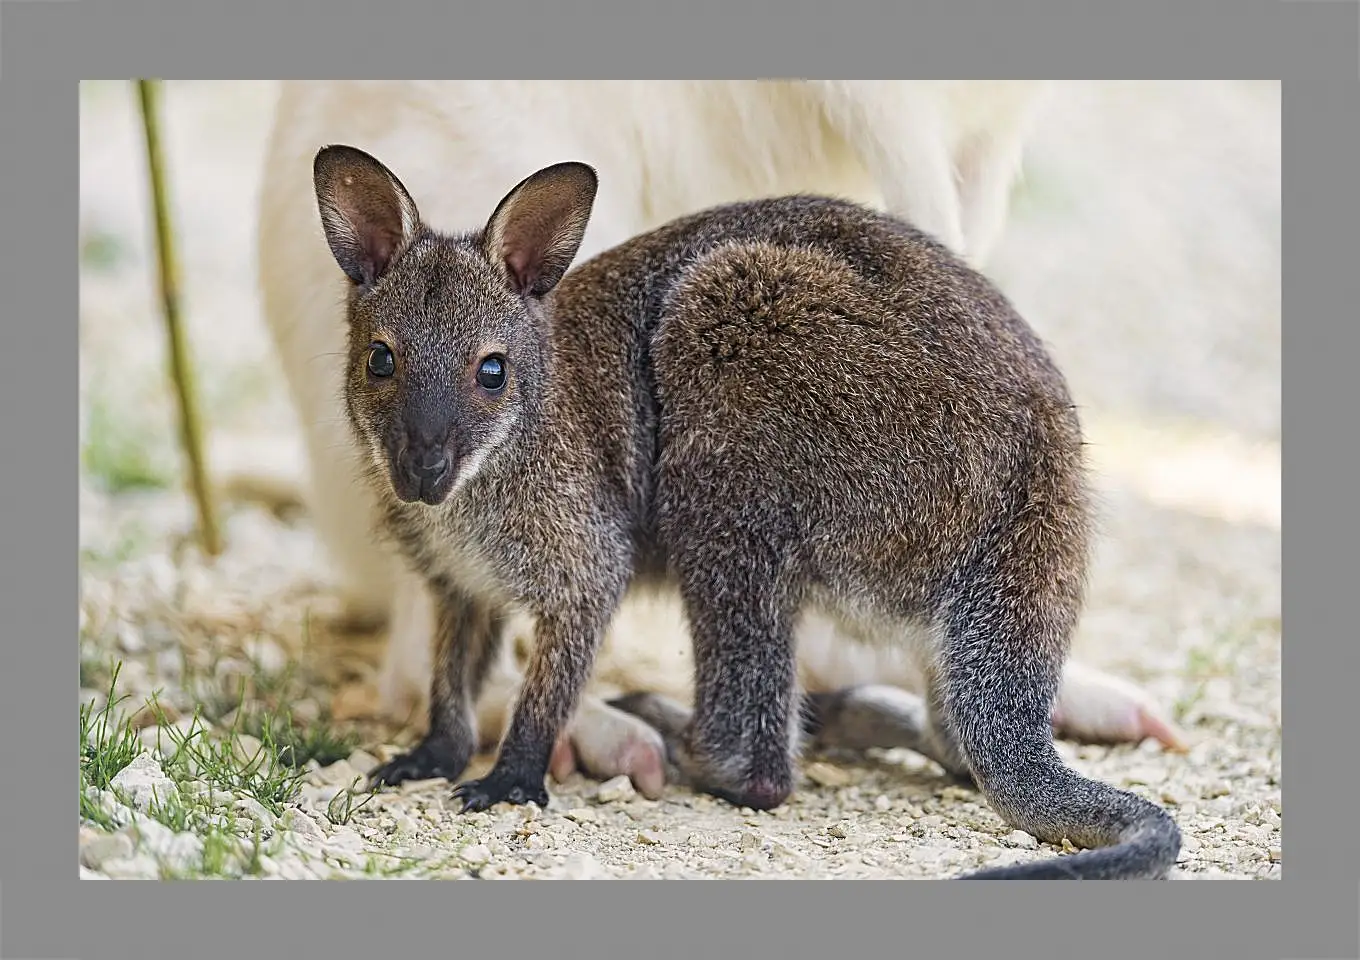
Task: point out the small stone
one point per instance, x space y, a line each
305 711
580 866
1144 776
99 848
748 841
649 838
247 748
135 678
143 782
882 803
141 866
404 826
301 824
1220 788
581 815
130 639
176 850
266 655
340 773
618 788
255 810
1019 838
837 830
826 775
169 666
1274 854
1067 846
362 762
475 854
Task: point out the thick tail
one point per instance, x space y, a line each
1131 838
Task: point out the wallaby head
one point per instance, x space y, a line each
447 339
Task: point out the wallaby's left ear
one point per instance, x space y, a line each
537 228
366 213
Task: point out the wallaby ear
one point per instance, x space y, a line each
537 228
366 213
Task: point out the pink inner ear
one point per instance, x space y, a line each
519 265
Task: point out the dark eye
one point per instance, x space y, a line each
381 361
491 373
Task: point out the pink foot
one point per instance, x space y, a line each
604 743
1096 707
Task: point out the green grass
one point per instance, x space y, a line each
225 762
119 455
107 741
342 808
260 751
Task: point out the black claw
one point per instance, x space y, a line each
492 789
427 761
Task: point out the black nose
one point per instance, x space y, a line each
429 466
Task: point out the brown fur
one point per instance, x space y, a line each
774 407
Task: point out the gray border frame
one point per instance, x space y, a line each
47 47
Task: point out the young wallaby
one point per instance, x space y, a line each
774 407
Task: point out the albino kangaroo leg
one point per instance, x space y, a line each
900 136
404 676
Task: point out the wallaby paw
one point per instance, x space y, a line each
431 759
501 786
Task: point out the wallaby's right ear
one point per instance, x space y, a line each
366 213
537 227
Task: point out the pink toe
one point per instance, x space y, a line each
563 763
1151 725
643 763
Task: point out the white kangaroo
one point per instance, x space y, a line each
943 155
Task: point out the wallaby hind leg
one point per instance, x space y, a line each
739 742
853 718
879 716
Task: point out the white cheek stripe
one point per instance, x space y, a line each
479 456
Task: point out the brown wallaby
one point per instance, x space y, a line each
773 407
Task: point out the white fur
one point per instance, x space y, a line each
944 155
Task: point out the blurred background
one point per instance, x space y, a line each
1144 246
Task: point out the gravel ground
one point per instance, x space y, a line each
1145 247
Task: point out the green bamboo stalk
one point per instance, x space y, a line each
181 372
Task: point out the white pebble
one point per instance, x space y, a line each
143 781
141 866
362 762
103 847
618 788
475 854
